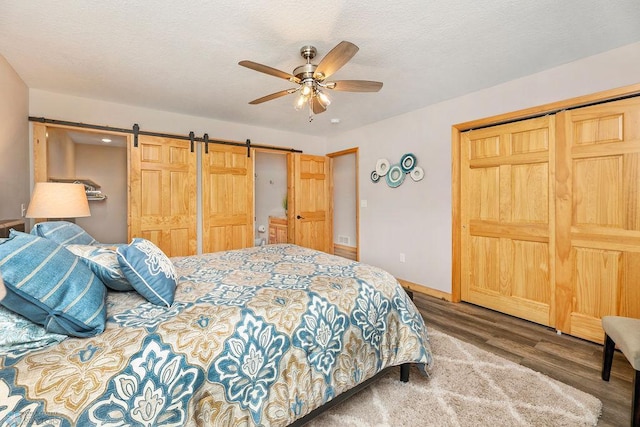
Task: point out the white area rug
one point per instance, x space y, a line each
467 387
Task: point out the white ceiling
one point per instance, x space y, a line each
183 56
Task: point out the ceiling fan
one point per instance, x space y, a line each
311 79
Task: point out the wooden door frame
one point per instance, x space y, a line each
457 129
354 150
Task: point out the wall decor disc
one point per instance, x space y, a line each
395 176
417 173
374 176
382 167
408 162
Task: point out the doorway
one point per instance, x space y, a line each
96 159
270 198
345 204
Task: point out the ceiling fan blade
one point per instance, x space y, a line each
355 85
269 70
335 59
317 107
273 96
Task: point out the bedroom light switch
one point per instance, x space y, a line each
363 203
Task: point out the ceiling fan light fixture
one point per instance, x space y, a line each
301 101
311 78
323 98
306 88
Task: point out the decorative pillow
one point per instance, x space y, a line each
103 261
20 335
149 271
63 233
50 286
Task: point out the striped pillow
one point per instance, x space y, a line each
50 286
63 233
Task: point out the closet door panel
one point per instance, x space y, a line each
599 216
227 190
162 194
507 203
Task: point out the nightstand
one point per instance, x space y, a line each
8 224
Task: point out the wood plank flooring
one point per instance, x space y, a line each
567 359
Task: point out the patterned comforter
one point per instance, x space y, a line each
259 336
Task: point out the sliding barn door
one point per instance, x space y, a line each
506 217
310 192
162 194
227 198
598 216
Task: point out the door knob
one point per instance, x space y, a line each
300 217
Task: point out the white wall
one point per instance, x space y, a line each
415 218
83 110
72 108
14 143
107 167
61 154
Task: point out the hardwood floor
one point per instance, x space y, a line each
567 359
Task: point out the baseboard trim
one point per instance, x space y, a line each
349 252
425 290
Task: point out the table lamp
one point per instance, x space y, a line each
58 200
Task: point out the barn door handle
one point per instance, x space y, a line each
300 217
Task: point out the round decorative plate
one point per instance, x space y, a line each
408 162
382 167
374 176
395 176
417 173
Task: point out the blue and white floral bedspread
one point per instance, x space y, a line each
259 336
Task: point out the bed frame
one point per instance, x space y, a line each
404 377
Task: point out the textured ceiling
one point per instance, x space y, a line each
183 56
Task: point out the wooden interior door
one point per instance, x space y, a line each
227 198
507 205
162 194
310 190
598 216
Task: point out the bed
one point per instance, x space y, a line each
258 336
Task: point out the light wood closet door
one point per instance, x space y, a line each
162 194
598 216
310 187
227 198
506 218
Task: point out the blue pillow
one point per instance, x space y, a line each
63 233
149 271
50 286
103 261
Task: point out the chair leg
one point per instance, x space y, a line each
607 357
635 402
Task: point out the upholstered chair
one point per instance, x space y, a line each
625 333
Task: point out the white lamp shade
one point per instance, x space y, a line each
58 200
